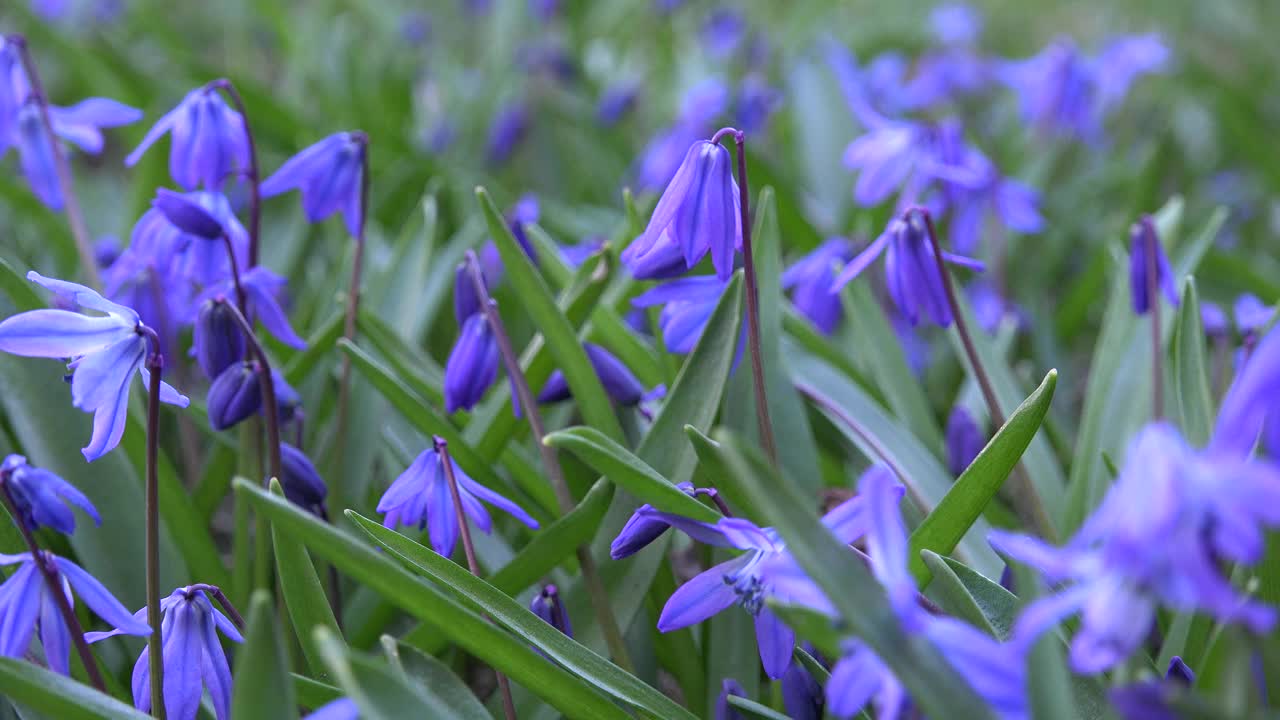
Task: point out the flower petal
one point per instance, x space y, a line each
700 598
59 333
776 642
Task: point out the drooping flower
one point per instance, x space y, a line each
809 281
187 215
26 605
472 366
216 340
193 656
802 696
189 262
1144 239
234 395
209 143
328 174
509 127
41 497
264 291
621 385
10 100
616 103
911 269
547 605
724 711
964 440
687 306
642 528
421 497
976 193
106 351
300 480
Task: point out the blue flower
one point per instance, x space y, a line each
300 480
1214 320
619 382
701 104
1143 237
106 351
757 100
548 606
234 395
263 291
41 496
722 32
10 98
216 340
188 262
802 696
25 605
193 656
421 497
687 306
809 281
329 176
209 142
472 366
1250 403
1152 699
1157 539
955 23
616 103
340 709
642 528
911 269
509 127
861 677
964 440
725 711
1251 314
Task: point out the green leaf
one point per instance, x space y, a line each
934 685
966 594
413 366
379 691
431 605
437 677
963 504
58 696
312 694
580 660
1190 369
319 344
262 687
556 330
21 291
823 631
304 595
628 471
755 709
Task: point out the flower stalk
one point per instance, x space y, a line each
529 405
155 643
268 392
251 173
1153 304
353 291
753 298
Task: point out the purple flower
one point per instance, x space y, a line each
209 142
687 306
725 711
809 281
10 99
25 605
510 125
234 395
642 528
757 100
185 259
193 656
300 480
698 212
329 176
106 351
1158 538
421 497
547 605
889 156
472 366
187 215
619 382
1251 314
1151 699
955 23
964 440
976 192
263 290
700 106
616 103
217 340
722 32
911 269
861 677
340 709
42 497
81 124
802 696
1144 240
1250 402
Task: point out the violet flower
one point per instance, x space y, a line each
186 259
687 306
955 23
725 711
802 696
642 528
340 709
234 395
79 124
301 482
42 497
26 605
1250 402
328 174
216 339
1251 314
509 127
421 497
699 107
1142 235
809 280
615 103
964 440
621 385
1151 699
548 606
472 366
263 291
106 350
209 142
757 100
193 656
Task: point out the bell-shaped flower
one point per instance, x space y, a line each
189 260
264 291
698 212
472 366
329 176
106 351
964 440
236 394
42 497
509 127
209 142
300 480
27 606
421 497
216 339
642 528
809 281
547 605
193 657
79 124
622 386
1143 240
187 215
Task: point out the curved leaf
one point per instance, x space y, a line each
262 686
303 593
59 696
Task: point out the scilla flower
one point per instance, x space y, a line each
809 281
725 711
548 606
209 141
622 386
300 480
26 605
421 497
193 656
1143 240
964 440
473 362
80 124
642 528
106 351
42 497
329 176
687 306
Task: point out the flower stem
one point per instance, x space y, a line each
252 174
66 187
216 593
1022 494
49 571
753 298
442 447
1153 304
241 300
155 644
268 393
529 405
353 293
717 499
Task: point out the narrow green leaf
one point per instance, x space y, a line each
319 344
21 291
550 261
262 688
628 471
1190 369
963 504
755 709
413 366
970 596
430 604
437 677
588 665
59 696
933 684
312 694
711 466
304 595
558 333
379 691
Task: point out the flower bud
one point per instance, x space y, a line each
217 338
234 395
547 606
187 215
641 529
302 483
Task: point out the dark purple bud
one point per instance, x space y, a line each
302 483
1144 240
509 127
964 440
526 210
725 711
42 497
465 301
547 605
217 338
187 215
472 365
641 529
1180 673
802 696
234 395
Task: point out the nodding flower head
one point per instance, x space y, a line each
42 497
236 394
300 480
209 141
329 175
217 339
620 384
809 282
1144 240
548 606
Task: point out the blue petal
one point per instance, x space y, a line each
59 333
776 642
497 500
312 161
162 126
101 601
860 263
55 637
214 669
700 598
20 598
